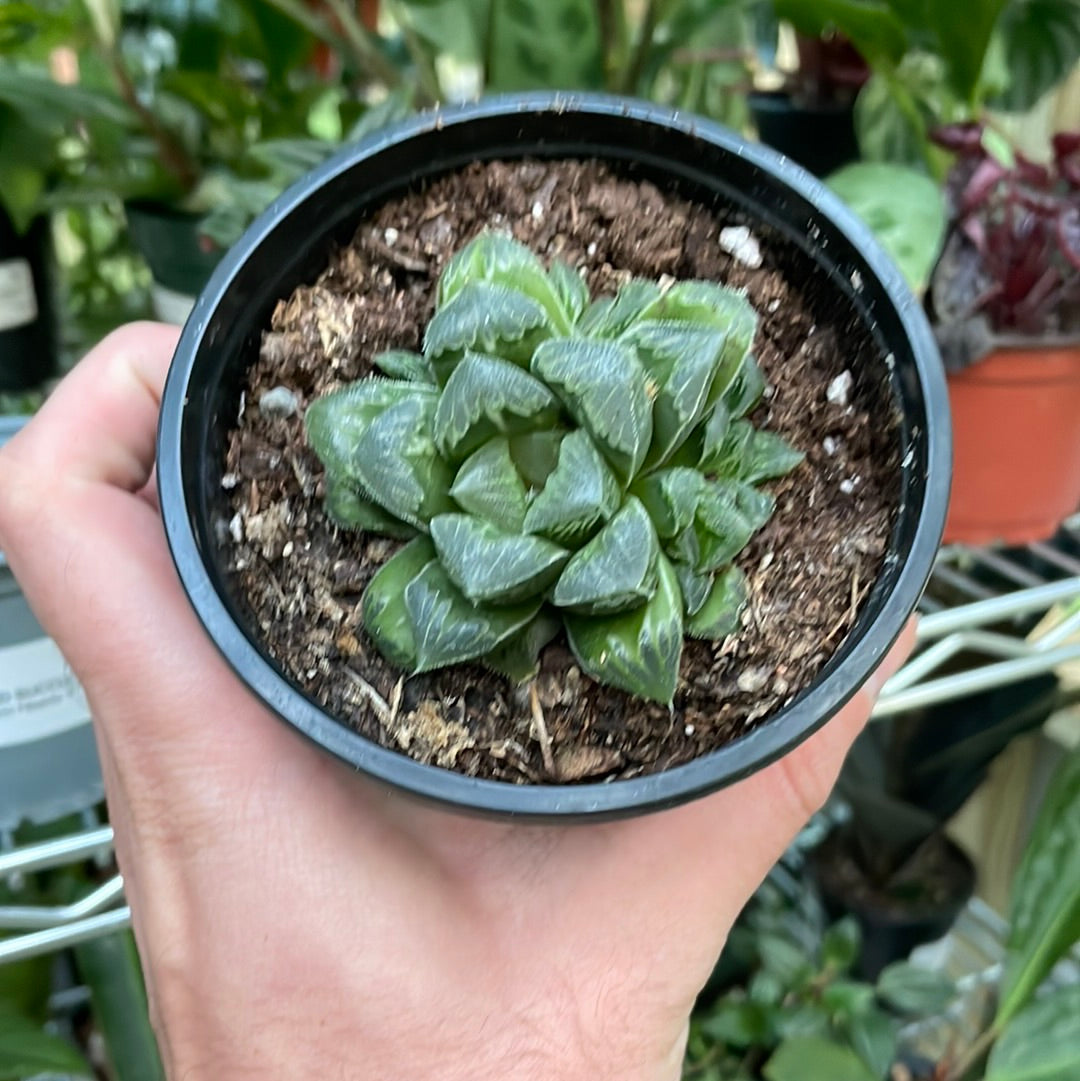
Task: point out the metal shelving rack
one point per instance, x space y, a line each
978 614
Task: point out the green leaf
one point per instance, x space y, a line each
499 259
875 1038
580 493
707 304
1041 39
486 396
448 629
616 570
815 1058
737 1023
398 466
491 566
346 507
1042 1042
732 457
769 456
1045 909
963 32
904 208
746 388
719 616
910 989
786 960
638 651
402 364
519 657
608 317
802 1019
536 454
603 386
871 26
846 999
336 422
695 588
840 944
682 362
26 1051
671 497
572 290
489 486
488 319
729 514
386 617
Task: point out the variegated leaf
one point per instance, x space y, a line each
746 389
769 456
671 498
346 507
336 422
719 615
638 651
489 486
485 397
398 466
448 629
695 588
386 618
402 364
710 305
608 317
536 454
729 514
492 566
603 386
519 657
571 288
714 434
499 259
616 570
754 504
682 361
580 494
487 319
729 459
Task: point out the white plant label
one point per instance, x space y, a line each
39 696
18 301
170 306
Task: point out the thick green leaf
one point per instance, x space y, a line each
875 1038
746 388
682 362
1042 1042
491 566
572 290
519 657
386 618
499 259
719 616
349 509
608 317
603 385
671 498
732 458
488 319
707 304
1045 910
489 486
616 570
486 396
448 629
398 466
769 456
904 208
729 514
401 364
1041 39
816 1058
26 1051
638 651
336 422
579 495
714 433
536 454
908 988
695 588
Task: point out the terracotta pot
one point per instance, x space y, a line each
1016 445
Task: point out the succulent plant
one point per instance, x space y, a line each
556 462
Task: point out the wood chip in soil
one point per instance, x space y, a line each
809 568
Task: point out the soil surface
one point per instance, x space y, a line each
808 569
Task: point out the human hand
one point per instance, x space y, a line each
297 920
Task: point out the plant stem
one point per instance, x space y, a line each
641 51
315 25
605 17
972 1055
363 45
430 90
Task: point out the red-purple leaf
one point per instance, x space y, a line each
960 138
1068 234
989 174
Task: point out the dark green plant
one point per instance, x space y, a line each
559 462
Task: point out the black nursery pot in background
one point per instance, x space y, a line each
819 136
290 244
27 319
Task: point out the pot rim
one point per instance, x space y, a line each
837 683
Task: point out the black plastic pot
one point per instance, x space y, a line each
820 138
27 319
890 932
290 244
